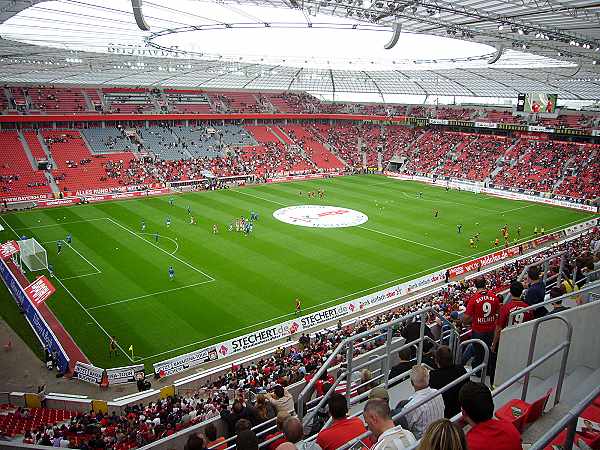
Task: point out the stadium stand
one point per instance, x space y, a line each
106 140
57 100
17 177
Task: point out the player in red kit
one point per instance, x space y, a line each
482 313
549 106
535 107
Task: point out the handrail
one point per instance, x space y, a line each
568 420
516 377
593 285
349 344
563 363
473 371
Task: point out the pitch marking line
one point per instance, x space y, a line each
149 295
260 198
59 224
80 276
411 241
162 250
77 301
165 237
515 209
97 271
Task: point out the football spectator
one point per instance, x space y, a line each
238 411
443 435
486 432
342 429
294 432
514 304
278 435
389 436
194 442
281 400
482 313
557 306
210 431
404 365
536 290
246 440
419 419
446 372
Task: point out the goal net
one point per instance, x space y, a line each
33 255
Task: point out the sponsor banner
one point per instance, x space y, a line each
540 129
88 373
533 136
58 202
483 261
547 238
37 322
26 198
112 190
121 375
257 338
580 227
8 249
595 132
40 290
486 125
183 362
438 121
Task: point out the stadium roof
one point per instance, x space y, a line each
321 46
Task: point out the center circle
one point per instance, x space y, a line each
320 216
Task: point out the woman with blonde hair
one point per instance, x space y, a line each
443 435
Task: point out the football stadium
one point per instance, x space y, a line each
281 224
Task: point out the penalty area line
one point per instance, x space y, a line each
162 250
127 300
260 198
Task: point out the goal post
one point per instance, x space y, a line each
33 255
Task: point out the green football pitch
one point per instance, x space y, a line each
113 278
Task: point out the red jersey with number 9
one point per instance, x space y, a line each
483 308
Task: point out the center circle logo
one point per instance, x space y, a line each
320 216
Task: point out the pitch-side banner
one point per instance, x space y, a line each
284 330
580 227
121 375
483 261
40 290
8 249
183 362
88 373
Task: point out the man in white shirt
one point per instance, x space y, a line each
419 419
389 437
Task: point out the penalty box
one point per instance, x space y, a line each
94 255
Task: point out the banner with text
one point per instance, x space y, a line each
183 362
8 249
40 290
121 375
88 373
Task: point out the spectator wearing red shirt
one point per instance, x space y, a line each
343 429
482 314
514 304
486 432
278 435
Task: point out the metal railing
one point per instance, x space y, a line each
526 371
383 331
570 295
569 421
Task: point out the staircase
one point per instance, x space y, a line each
27 149
46 149
52 182
88 103
9 99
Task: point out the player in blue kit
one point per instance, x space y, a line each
69 238
171 202
156 237
168 222
143 225
171 273
58 247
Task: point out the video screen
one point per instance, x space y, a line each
536 103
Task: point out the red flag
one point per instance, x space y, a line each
40 290
8 249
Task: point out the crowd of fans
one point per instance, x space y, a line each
249 395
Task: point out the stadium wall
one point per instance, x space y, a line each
40 327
